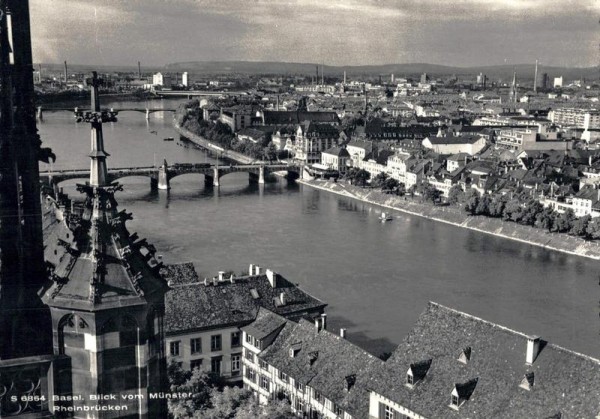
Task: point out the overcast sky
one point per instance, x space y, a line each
336 32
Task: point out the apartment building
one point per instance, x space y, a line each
203 317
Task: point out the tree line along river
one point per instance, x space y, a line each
376 277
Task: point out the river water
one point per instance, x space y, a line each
377 278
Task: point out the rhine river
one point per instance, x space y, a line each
377 278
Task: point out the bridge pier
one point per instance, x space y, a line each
147 113
40 113
163 177
258 178
216 175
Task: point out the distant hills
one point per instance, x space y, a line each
495 72
524 71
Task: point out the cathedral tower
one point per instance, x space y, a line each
24 322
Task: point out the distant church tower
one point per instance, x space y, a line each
24 322
513 95
107 296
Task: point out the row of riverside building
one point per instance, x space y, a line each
262 330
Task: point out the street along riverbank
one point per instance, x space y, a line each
455 216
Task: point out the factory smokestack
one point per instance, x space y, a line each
139 71
66 73
535 77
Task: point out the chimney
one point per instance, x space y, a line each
256 270
272 277
282 298
232 279
343 333
205 282
251 270
324 321
215 281
221 276
533 349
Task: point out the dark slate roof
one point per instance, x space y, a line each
338 151
337 363
564 381
96 263
462 139
194 306
296 117
265 324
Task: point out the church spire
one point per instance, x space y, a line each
98 171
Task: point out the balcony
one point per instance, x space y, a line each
29 386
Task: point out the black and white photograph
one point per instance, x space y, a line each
320 209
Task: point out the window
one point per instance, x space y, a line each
338 411
409 379
299 405
195 363
299 386
235 339
263 364
235 364
215 343
283 376
264 382
174 348
318 396
454 400
196 345
249 339
249 355
251 375
215 365
389 412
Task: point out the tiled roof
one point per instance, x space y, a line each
266 323
296 117
194 305
564 381
340 371
463 139
337 151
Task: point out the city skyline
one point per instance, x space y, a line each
466 33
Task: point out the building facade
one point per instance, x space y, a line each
203 318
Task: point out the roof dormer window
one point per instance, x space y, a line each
416 372
527 381
462 392
465 355
295 349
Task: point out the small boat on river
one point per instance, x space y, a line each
169 139
385 217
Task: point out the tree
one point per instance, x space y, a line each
512 211
430 193
496 206
455 194
545 219
593 229
483 206
379 179
270 152
471 201
390 184
564 222
530 211
361 177
580 225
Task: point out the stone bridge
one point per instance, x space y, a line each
80 111
160 177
